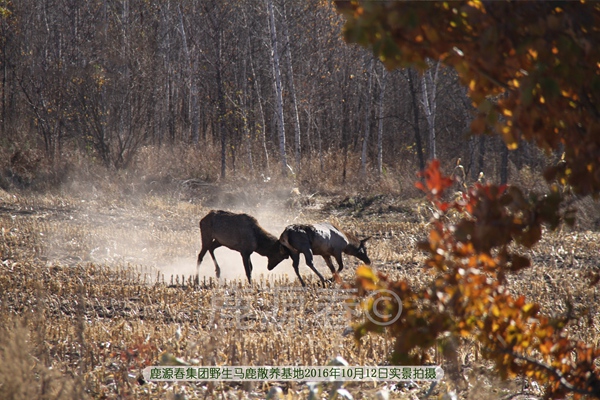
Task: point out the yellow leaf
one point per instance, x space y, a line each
495 311
495 327
528 307
477 4
533 53
365 272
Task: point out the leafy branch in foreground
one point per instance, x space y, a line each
532 73
531 69
468 297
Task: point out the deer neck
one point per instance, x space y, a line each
266 245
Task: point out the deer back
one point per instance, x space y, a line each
235 231
328 240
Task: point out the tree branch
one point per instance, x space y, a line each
593 382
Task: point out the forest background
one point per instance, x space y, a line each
211 90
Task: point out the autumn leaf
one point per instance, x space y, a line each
529 80
435 181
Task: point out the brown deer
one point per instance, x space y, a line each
324 240
239 232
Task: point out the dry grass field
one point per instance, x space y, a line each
96 284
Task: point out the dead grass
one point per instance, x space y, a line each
95 283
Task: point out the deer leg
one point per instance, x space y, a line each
205 246
331 267
329 263
214 245
308 256
338 258
200 257
248 266
295 264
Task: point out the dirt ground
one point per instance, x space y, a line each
101 285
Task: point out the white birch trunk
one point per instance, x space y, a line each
429 84
288 53
278 87
244 112
194 134
263 126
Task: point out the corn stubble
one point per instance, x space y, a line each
86 302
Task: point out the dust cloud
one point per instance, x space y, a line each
159 233
232 268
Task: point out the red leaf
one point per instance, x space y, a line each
435 181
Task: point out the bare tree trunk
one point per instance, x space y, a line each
288 53
319 140
345 140
471 170
365 143
221 107
4 96
345 123
278 88
503 163
168 79
309 119
191 81
263 126
161 88
244 107
429 84
481 154
415 108
380 126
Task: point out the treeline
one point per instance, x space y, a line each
270 83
